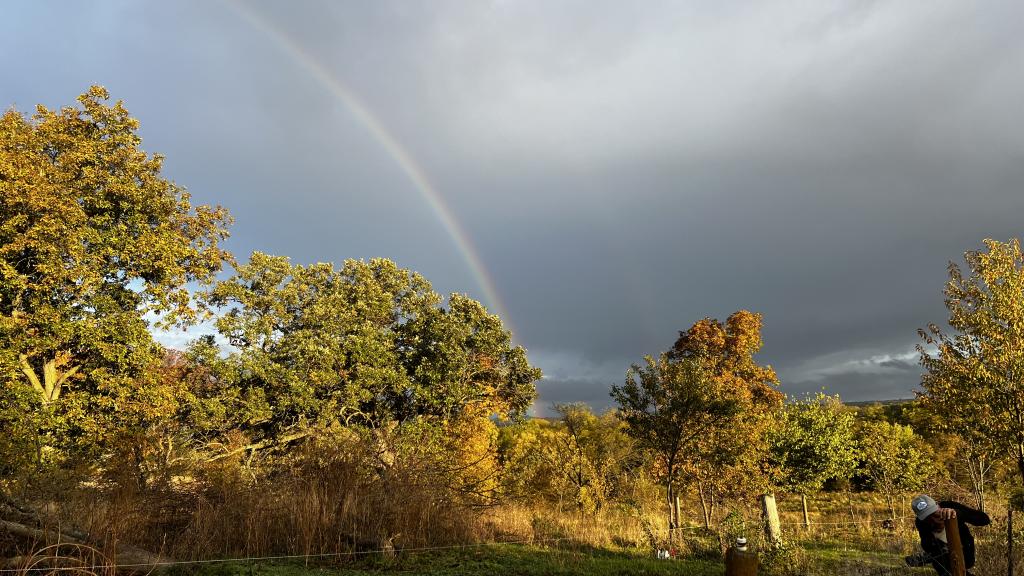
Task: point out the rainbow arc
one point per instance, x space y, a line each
401 156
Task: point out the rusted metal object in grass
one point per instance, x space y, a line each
739 561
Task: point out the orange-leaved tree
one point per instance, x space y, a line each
729 459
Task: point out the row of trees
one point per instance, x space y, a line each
710 413
714 419
585 462
96 246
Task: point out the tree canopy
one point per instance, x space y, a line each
974 380
92 238
814 443
893 458
369 344
667 406
730 458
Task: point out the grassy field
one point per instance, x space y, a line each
828 557
844 540
492 560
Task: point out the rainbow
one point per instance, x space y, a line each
387 141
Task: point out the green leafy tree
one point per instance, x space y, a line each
966 457
813 443
602 458
92 238
974 376
532 468
580 460
369 345
975 462
893 458
667 406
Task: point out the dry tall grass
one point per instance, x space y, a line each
342 504
310 504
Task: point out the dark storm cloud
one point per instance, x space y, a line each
623 170
858 387
553 392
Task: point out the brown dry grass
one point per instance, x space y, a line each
63 560
337 507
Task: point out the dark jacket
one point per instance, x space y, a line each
936 549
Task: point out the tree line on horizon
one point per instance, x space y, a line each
357 404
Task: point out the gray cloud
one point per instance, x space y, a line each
623 170
553 392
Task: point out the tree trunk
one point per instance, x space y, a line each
139 461
711 508
50 386
122 554
1020 460
671 516
705 506
977 468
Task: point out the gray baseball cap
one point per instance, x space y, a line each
923 506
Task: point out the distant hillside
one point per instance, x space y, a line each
893 402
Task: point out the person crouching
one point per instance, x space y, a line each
930 520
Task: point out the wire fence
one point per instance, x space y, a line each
32 566
274 558
890 563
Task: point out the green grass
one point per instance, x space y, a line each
815 558
492 560
836 557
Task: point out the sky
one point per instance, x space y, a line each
601 174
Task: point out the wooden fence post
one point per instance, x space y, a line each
772 529
956 550
739 561
1009 541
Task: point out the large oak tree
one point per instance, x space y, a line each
92 239
368 346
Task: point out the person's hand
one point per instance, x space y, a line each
945 513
